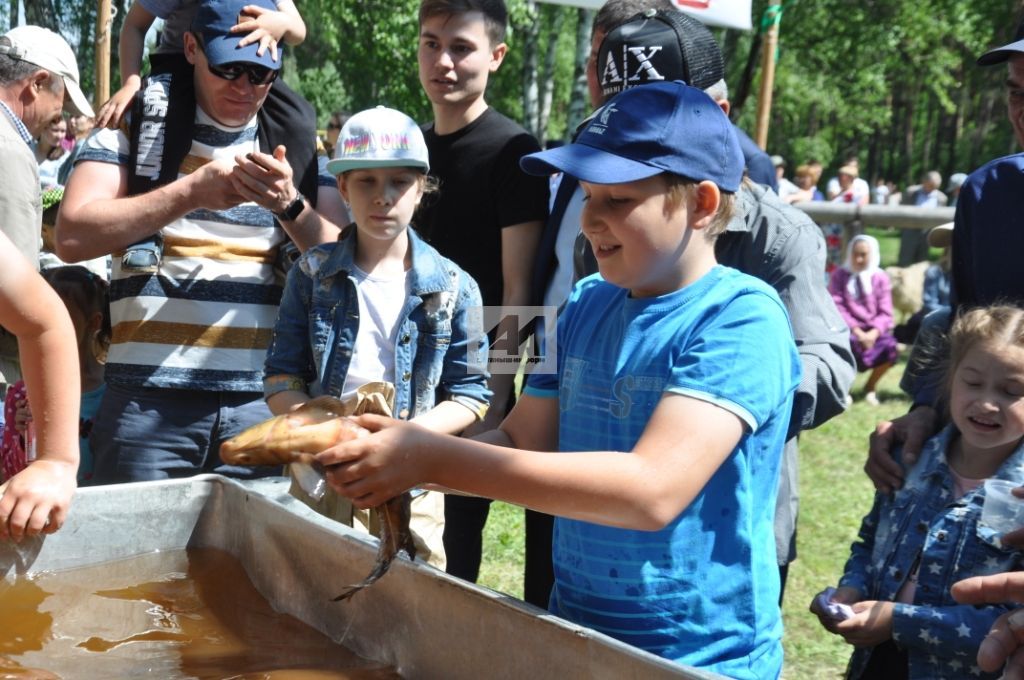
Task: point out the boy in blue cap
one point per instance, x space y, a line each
673 393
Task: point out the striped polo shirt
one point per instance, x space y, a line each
204 320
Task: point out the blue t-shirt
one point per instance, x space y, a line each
704 590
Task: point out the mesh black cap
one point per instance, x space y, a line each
658 46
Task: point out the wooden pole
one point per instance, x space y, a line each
103 23
764 100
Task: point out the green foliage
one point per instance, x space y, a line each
892 82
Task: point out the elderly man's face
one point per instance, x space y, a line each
45 106
1015 96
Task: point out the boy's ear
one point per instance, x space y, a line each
706 199
498 53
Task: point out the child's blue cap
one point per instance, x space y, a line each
213 21
645 131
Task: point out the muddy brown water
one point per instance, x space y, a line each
177 614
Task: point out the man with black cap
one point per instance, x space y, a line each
185 367
986 245
766 238
38 78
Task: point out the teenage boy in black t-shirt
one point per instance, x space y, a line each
488 214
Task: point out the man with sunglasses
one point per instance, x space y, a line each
185 366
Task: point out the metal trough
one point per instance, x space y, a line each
418 619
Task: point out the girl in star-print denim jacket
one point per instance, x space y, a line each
917 542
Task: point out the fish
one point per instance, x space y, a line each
293 437
296 437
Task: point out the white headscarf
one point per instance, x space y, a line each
874 259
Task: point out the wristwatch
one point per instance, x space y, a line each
294 209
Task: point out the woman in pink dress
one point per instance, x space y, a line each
862 293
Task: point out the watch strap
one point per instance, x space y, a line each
294 209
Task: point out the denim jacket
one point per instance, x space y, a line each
923 519
316 328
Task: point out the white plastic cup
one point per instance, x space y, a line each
1003 512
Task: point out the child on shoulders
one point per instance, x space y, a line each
916 543
657 443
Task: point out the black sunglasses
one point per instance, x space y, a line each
258 75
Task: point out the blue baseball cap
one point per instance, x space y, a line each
645 131
213 21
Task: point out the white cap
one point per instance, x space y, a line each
379 138
46 49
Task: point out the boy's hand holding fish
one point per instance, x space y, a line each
380 467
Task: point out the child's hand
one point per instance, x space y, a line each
374 469
264 26
36 499
22 415
113 109
870 625
844 595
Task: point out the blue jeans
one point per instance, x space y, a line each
144 433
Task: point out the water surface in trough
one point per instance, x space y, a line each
168 615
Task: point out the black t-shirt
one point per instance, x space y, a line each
483 190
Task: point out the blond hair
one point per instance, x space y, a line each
998 323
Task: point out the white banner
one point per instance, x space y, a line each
725 13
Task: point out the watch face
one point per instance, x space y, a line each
293 210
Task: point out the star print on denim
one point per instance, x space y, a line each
925 521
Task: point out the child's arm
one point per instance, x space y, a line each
37 499
447 417
288 368
285 401
684 443
268 27
129 48
949 631
1005 641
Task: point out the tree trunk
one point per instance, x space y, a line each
929 137
739 95
985 114
38 13
579 98
908 134
531 103
552 17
